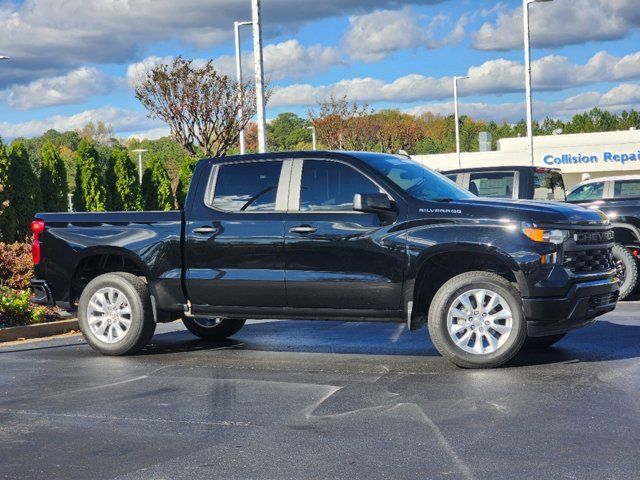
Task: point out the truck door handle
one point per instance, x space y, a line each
205 230
303 229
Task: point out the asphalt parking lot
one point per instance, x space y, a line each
311 400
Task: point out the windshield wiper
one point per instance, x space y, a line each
443 200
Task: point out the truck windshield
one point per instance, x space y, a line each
548 186
420 182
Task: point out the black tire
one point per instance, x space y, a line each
442 302
543 342
142 324
217 331
627 270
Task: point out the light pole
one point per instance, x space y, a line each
236 27
4 57
259 64
140 151
527 68
313 137
457 117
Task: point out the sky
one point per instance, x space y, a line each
76 61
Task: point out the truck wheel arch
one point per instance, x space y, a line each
435 267
95 262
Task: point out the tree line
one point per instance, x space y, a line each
105 179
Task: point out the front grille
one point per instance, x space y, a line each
589 261
593 237
603 300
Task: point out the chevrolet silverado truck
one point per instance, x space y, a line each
619 199
331 236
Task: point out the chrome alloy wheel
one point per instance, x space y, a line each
109 315
479 321
208 322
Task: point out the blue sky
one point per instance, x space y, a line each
76 61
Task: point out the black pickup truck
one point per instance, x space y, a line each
339 236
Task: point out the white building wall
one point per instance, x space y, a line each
597 154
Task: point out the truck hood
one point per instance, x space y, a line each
536 212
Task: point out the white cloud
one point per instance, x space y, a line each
622 97
281 60
75 87
374 36
123 122
562 22
551 73
50 37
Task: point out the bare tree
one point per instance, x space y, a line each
200 105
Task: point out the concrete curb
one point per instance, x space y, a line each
38 331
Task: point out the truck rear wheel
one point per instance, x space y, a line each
476 320
213 328
115 314
627 270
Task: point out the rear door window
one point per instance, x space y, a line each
492 184
591 191
549 186
627 188
247 187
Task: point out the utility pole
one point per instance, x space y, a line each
259 71
140 151
457 117
236 27
527 67
313 137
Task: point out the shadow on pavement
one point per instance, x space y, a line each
603 341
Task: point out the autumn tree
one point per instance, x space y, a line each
90 194
200 105
342 125
25 190
156 186
53 179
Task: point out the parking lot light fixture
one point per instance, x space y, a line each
527 61
457 116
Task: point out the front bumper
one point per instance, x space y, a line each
584 302
41 293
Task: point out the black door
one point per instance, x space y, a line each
337 258
235 237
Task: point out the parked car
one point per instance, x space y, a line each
619 198
341 236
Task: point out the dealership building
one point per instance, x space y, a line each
577 155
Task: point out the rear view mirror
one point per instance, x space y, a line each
371 203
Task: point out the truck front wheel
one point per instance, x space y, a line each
213 328
115 314
476 320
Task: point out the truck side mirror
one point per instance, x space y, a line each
371 203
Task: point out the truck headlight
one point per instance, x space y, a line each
555 236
